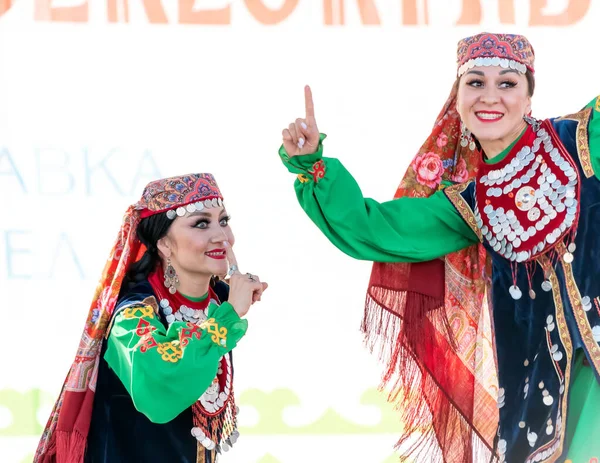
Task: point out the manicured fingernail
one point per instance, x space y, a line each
300 142
226 243
304 126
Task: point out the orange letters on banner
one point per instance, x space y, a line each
410 13
507 11
471 12
334 12
113 13
187 14
268 16
154 11
5 6
367 9
575 12
45 12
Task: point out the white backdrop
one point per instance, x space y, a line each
90 111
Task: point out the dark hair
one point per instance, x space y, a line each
149 231
528 75
530 82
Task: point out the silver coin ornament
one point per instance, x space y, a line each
546 285
537 187
515 292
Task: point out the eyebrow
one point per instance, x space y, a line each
201 214
481 73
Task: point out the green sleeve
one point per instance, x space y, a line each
401 230
594 136
166 370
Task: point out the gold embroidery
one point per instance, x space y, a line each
170 351
454 195
597 108
219 335
565 337
151 301
138 311
303 178
582 139
201 453
580 317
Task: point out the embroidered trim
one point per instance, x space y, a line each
175 193
219 335
149 301
582 137
583 324
303 178
454 195
170 351
597 108
144 328
555 446
147 342
190 331
317 171
138 311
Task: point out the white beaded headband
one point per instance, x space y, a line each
495 61
194 207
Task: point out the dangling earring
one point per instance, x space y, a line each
534 123
466 138
171 279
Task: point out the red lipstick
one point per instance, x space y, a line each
218 254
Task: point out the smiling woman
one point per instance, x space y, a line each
154 363
497 211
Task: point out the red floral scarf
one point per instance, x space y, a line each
431 325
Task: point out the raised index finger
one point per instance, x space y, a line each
308 102
231 259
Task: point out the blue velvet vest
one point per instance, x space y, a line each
121 434
536 338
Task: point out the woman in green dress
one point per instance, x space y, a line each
504 208
153 377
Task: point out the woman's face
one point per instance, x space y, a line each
492 102
195 243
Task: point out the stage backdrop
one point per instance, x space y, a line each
99 97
